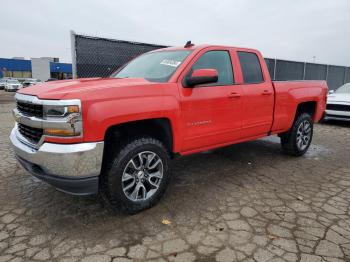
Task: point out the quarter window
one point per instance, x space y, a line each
251 68
219 60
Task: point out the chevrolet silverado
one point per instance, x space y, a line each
115 136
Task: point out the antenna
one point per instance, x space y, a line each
188 44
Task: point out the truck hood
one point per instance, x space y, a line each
78 88
339 98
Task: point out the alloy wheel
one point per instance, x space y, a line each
304 135
142 176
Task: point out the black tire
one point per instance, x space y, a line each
111 185
289 140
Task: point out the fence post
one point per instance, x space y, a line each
73 52
327 72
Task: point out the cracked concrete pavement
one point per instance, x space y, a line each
246 202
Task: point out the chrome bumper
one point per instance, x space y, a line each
61 160
337 115
11 88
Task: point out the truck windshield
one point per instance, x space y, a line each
345 89
154 67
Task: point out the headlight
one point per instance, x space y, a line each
66 116
59 111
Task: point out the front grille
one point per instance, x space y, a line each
29 109
336 107
31 133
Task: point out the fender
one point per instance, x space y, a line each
289 95
105 114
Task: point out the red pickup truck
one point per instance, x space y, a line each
116 136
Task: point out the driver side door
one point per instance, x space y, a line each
211 113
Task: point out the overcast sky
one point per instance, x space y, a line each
289 29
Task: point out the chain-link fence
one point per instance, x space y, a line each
99 57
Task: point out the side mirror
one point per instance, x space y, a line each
202 76
331 92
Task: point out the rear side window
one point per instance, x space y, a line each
251 68
219 60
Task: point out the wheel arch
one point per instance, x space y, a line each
159 128
309 107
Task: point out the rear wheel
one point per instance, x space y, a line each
137 176
298 139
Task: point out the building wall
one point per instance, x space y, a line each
15 68
41 68
60 68
20 68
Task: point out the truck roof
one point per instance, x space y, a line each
200 47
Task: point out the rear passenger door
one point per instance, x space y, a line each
258 97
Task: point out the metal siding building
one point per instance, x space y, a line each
19 68
60 67
14 65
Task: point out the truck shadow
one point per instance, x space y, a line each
336 123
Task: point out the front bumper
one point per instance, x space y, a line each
72 168
337 115
11 89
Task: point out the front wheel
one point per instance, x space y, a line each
137 176
298 139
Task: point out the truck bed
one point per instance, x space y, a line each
290 93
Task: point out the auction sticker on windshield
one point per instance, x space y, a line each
170 63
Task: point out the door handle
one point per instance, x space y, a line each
266 92
234 95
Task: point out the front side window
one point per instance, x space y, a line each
219 60
251 68
156 66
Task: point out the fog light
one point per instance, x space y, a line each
60 132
